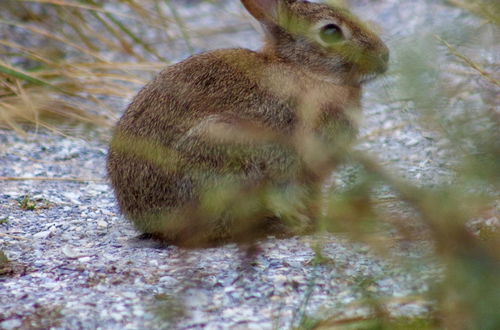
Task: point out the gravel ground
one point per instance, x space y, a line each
76 262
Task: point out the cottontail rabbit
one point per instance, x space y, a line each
216 148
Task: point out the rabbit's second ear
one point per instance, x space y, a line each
264 11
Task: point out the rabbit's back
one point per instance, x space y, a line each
143 162
225 81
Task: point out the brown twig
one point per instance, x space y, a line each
40 178
474 65
14 237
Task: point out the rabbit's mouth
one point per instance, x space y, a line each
366 78
372 67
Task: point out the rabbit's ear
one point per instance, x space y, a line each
265 11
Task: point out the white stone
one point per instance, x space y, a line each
42 234
11 324
102 224
71 252
84 259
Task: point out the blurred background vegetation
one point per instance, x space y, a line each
68 61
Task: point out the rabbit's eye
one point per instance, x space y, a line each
331 33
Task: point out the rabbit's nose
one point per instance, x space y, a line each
385 57
383 61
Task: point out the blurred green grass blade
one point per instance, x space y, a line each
182 26
93 8
134 37
122 27
12 72
51 35
488 10
27 53
76 21
469 62
147 13
124 45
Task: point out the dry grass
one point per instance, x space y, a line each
63 60
488 10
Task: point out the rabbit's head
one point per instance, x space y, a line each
326 40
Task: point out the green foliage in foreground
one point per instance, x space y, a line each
3 259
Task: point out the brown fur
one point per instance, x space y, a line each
227 121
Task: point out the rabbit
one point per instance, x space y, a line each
221 146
